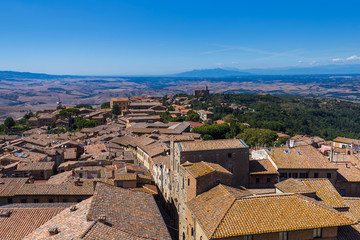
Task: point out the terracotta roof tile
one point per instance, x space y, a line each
300 157
262 166
71 224
131 211
66 188
10 186
351 232
35 166
211 145
23 221
203 168
210 207
348 172
323 188
347 140
276 213
292 185
104 232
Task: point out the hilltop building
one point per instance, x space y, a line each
123 103
201 92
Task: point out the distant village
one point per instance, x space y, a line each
125 173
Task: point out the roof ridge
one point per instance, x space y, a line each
206 163
322 205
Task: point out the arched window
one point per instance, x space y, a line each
192 232
183 236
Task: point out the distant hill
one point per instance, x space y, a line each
28 75
216 72
324 69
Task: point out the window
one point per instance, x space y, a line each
65 200
80 175
36 200
294 175
304 175
342 192
317 233
283 236
192 232
229 155
257 180
248 237
289 176
183 236
328 175
10 200
188 182
268 180
23 200
51 200
316 175
283 175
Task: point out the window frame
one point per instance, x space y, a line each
283 236
317 233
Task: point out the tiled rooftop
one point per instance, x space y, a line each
210 207
292 185
348 172
35 166
67 188
211 145
130 211
262 166
325 191
10 186
276 213
23 221
104 232
301 157
59 178
71 224
351 232
347 140
203 168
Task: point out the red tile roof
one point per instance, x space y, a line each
23 221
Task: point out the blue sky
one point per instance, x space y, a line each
135 37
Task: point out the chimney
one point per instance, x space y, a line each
31 179
53 230
102 218
73 208
77 182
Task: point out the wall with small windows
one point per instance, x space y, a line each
234 160
262 180
348 189
308 173
48 199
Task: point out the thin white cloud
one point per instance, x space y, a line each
348 59
337 60
353 58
